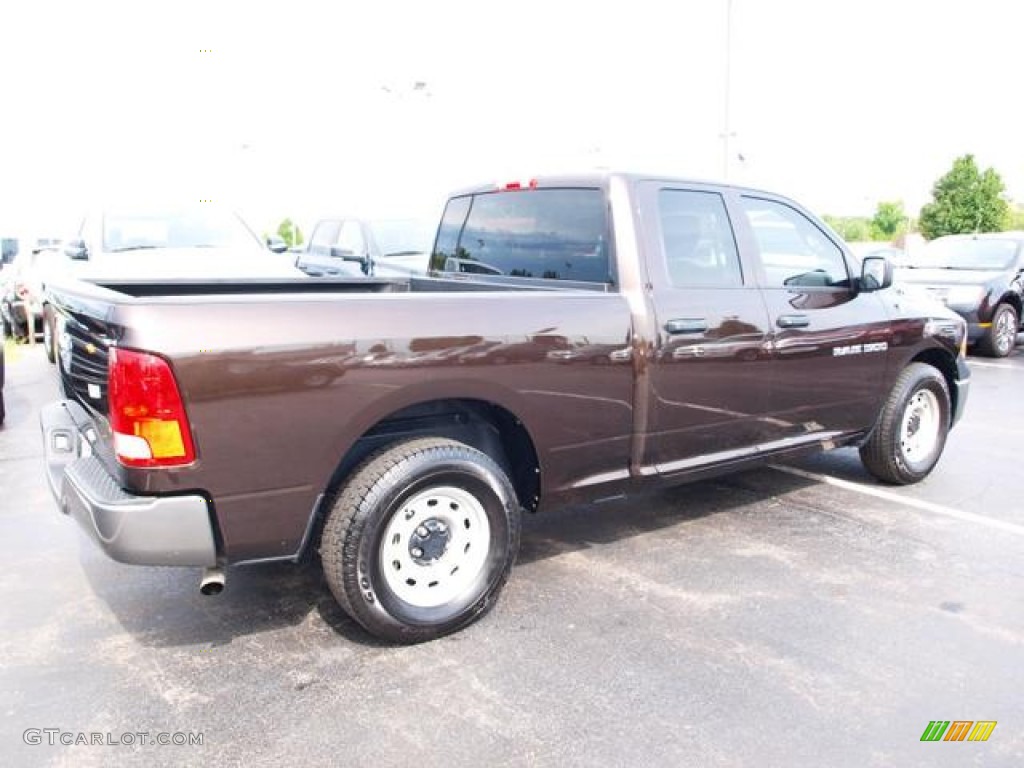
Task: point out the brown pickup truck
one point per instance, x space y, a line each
579 338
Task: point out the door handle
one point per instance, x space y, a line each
687 325
793 321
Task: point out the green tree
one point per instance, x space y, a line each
965 200
850 228
889 221
1015 218
289 231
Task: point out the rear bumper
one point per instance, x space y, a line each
143 530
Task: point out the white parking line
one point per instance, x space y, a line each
1003 366
924 506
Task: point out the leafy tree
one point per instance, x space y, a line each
1015 218
889 221
289 231
965 200
850 228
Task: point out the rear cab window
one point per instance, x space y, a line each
548 233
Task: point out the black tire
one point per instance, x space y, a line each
1001 337
7 327
384 521
908 439
49 337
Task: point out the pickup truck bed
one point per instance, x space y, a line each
354 369
398 427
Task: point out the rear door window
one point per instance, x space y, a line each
700 250
554 234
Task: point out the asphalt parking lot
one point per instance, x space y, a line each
791 616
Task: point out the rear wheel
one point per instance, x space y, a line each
1001 337
908 439
421 539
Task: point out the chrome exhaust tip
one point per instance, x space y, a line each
212 582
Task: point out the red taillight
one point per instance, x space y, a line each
146 412
21 290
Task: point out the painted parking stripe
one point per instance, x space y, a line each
924 506
1003 366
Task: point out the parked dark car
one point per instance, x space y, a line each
896 256
979 276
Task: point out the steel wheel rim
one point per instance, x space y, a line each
1006 334
921 426
429 570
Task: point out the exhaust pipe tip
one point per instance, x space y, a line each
212 582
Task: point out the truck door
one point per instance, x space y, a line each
334 249
709 382
829 342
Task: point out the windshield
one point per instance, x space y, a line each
200 227
396 237
967 253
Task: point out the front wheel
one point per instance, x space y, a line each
908 439
1001 336
421 539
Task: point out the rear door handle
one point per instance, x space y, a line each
687 325
793 321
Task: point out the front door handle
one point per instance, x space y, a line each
793 321
687 325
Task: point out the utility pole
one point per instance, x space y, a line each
726 117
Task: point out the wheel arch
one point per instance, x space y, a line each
483 424
944 362
1014 300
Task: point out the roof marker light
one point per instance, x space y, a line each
516 185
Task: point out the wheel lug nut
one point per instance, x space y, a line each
422 532
416 552
441 527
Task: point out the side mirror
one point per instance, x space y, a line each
875 274
76 250
277 244
346 255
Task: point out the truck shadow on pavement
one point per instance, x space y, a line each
162 607
586 526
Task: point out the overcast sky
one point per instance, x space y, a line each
304 108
